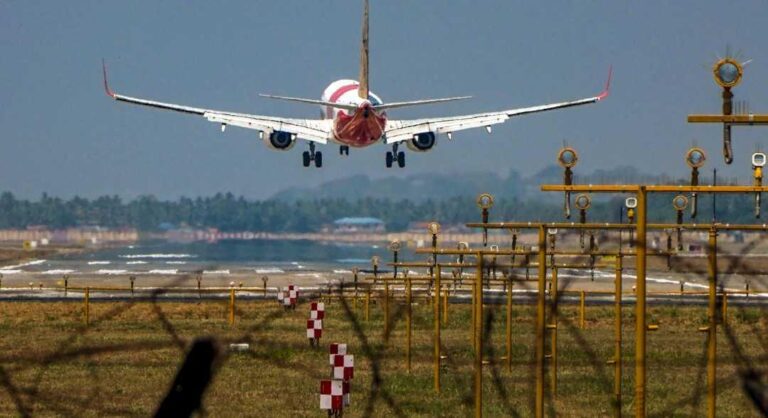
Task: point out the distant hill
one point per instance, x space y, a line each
419 187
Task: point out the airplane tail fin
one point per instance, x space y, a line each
362 90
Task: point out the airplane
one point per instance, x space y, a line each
353 116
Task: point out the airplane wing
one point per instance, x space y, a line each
403 130
314 130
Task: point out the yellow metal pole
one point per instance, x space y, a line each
712 329
640 320
87 307
582 308
553 336
436 309
386 307
445 305
409 319
367 304
509 325
540 324
617 339
725 308
472 324
479 338
231 307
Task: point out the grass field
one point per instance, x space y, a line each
123 363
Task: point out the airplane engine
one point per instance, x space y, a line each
280 140
422 142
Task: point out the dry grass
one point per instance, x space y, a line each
123 363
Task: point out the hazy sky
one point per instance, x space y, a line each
60 134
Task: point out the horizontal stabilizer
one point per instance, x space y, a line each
311 101
418 102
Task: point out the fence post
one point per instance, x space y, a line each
582 309
553 337
86 303
617 338
231 307
479 337
712 328
509 325
367 303
541 321
474 311
386 307
409 319
436 318
445 305
725 308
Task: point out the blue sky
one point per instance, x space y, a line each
60 134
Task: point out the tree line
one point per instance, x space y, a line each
228 212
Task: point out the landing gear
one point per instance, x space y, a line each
344 150
312 155
393 156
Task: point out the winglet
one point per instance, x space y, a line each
605 92
109 92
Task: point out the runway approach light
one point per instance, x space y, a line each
552 232
695 158
728 72
679 202
567 158
631 203
434 228
583 202
485 203
394 246
758 162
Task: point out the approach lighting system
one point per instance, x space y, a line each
375 263
728 72
394 246
758 162
434 228
631 203
485 203
583 202
552 232
695 158
567 158
679 202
